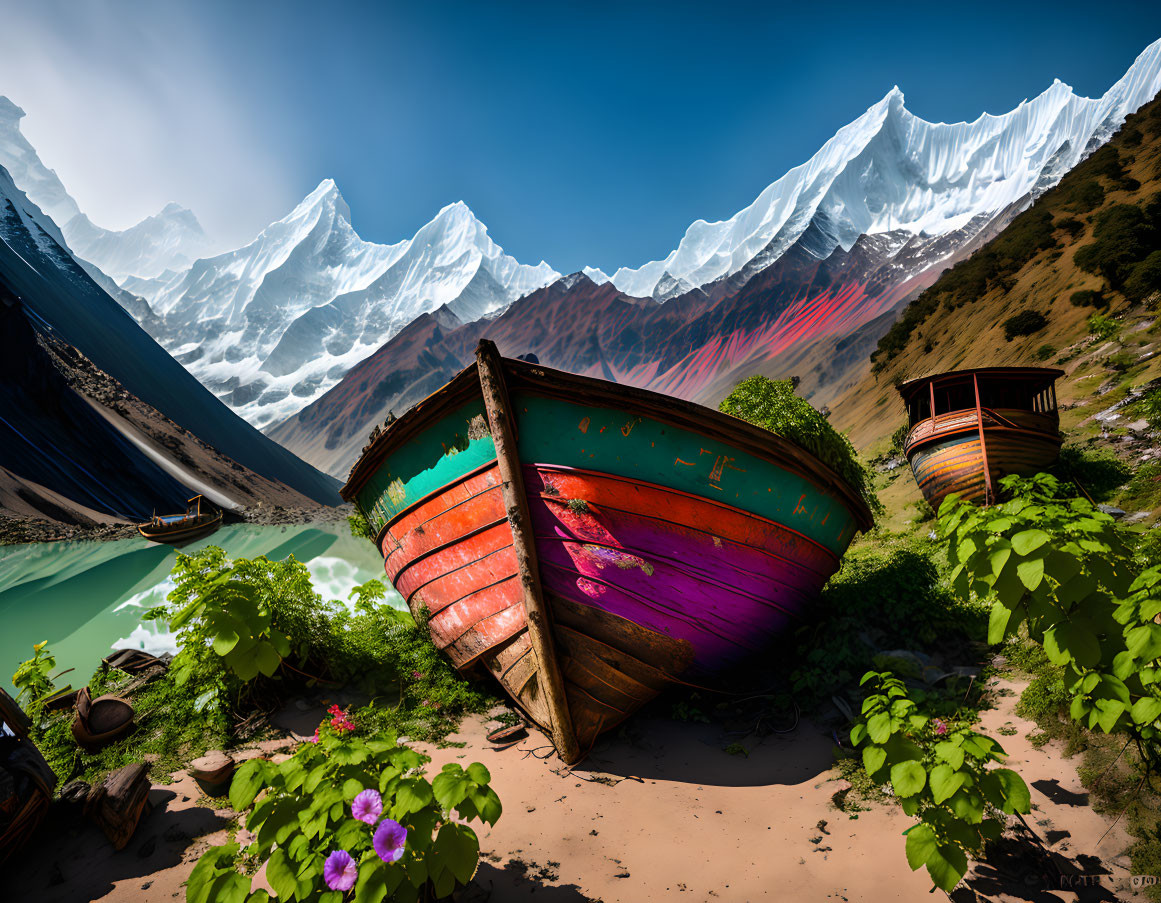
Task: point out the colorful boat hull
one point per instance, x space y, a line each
671 541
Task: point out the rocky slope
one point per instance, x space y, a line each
59 299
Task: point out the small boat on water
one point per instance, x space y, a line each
200 519
969 428
588 543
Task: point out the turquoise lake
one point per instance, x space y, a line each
86 598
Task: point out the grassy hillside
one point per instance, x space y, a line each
1073 282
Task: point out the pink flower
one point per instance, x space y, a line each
313 739
940 727
417 674
340 871
367 806
390 839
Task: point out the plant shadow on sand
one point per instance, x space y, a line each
82 865
1019 869
495 883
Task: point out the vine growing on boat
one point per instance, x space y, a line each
350 817
939 769
1059 568
772 405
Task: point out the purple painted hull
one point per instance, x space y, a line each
681 566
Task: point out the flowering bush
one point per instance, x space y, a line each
350 818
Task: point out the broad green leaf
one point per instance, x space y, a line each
1145 641
479 773
908 778
858 732
457 848
413 794
450 789
281 875
920 845
873 758
947 866
1014 790
968 805
1027 541
266 659
1031 572
1146 710
230 888
1108 713
951 753
998 623
879 727
945 781
248 780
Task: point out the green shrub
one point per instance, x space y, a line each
1026 322
1124 234
1149 407
32 679
772 405
899 598
1088 298
1044 352
1086 196
360 527
1100 473
1071 225
1145 278
1103 327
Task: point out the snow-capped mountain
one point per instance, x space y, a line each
890 170
271 325
170 239
51 437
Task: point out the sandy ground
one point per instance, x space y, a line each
659 812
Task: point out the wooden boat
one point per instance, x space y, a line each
26 781
198 520
588 543
969 428
100 721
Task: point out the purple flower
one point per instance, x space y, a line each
390 838
367 806
340 871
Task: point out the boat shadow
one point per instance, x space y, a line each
654 748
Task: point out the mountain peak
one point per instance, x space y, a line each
9 112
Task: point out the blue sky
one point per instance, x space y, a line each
580 133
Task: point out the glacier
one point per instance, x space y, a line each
890 170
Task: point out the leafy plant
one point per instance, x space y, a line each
360 526
1102 326
350 816
939 770
225 610
1088 298
32 678
772 405
1059 568
1044 352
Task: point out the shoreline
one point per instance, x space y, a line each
19 530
